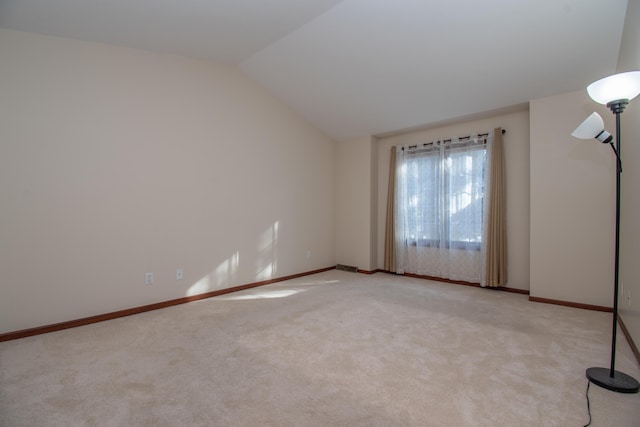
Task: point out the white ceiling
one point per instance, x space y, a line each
363 67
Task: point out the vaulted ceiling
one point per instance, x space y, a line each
363 67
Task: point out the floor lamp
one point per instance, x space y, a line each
615 92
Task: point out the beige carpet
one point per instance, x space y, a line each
333 349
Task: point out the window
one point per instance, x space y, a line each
441 189
446 210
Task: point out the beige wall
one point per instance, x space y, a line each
355 194
629 302
516 140
115 162
572 203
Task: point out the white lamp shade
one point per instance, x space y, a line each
590 128
615 87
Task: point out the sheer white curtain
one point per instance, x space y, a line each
441 209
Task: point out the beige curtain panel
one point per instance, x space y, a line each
496 267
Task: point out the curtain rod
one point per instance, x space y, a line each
449 140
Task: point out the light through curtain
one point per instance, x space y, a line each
440 209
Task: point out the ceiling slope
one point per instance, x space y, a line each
363 67
220 30
374 66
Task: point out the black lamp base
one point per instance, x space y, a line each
621 382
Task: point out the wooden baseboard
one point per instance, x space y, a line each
571 304
136 310
367 271
627 334
443 280
459 282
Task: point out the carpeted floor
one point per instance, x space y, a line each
332 349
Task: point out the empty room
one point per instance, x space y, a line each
319 213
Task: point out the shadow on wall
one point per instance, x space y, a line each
227 273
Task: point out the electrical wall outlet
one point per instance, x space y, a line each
148 278
179 274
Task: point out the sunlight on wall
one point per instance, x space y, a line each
222 277
267 262
201 286
227 273
227 270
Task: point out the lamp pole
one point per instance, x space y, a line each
617 110
612 379
615 92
